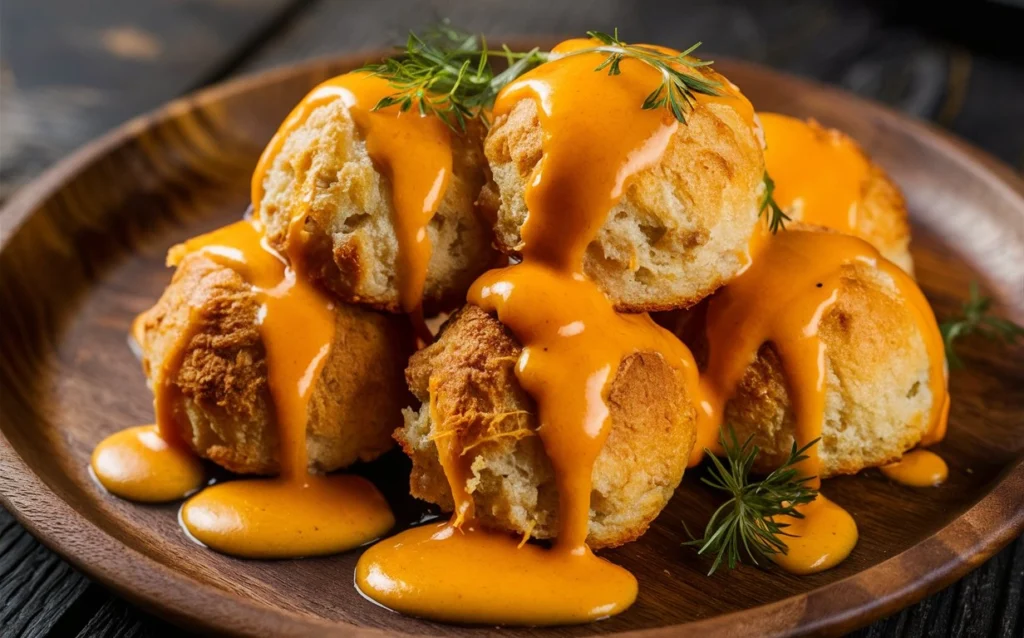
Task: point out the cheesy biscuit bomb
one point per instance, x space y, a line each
472 400
378 205
822 337
205 354
671 234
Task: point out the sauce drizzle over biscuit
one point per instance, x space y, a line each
573 342
781 299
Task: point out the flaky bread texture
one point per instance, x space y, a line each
681 228
352 248
878 401
469 373
226 412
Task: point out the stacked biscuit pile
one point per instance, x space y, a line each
681 229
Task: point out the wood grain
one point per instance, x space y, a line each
82 252
50 577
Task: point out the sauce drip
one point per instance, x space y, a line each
411 150
819 175
139 465
918 468
821 540
298 513
296 327
573 342
781 299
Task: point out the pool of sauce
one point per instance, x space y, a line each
140 465
918 468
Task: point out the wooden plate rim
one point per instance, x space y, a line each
992 522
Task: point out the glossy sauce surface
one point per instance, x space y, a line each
139 465
465 575
781 299
821 540
573 342
412 151
918 468
281 518
569 199
819 175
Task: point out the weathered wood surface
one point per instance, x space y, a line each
73 70
70 73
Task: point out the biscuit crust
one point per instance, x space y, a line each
469 374
350 246
227 411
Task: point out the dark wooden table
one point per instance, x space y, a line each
72 70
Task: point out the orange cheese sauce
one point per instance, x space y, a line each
819 174
297 514
282 518
411 150
781 299
918 468
819 541
139 465
573 342
596 137
462 574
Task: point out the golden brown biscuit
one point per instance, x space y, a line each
222 380
682 226
883 221
478 400
352 248
877 395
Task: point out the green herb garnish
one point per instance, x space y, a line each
677 89
975 319
776 217
746 523
448 73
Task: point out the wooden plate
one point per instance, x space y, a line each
82 253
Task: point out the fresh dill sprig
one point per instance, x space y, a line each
677 88
447 73
776 217
975 318
746 523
